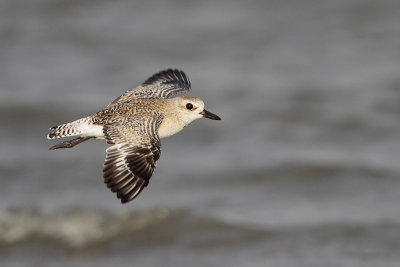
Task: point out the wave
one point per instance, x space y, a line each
78 228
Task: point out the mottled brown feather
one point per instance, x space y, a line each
132 156
164 84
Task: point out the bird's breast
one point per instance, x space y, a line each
169 127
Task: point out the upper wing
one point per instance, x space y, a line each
164 84
132 158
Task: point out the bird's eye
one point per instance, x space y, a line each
189 106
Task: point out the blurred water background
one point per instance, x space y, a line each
303 169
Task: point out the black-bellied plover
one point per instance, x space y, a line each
133 125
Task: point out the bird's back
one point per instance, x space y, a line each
130 109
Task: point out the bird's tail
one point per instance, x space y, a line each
68 129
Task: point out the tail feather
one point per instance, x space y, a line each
67 129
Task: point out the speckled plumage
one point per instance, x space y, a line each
133 125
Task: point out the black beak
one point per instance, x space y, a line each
209 115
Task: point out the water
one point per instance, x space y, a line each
301 171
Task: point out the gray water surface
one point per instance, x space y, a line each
301 171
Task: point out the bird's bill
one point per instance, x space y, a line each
209 115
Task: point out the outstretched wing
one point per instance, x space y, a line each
164 84
132 156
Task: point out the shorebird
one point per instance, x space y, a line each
132 125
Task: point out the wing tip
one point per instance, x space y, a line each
131 195
170 76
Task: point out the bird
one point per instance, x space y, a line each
132 125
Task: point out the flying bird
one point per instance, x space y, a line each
133 125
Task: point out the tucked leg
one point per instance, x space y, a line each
70 143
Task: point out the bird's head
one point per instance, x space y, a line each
193 108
